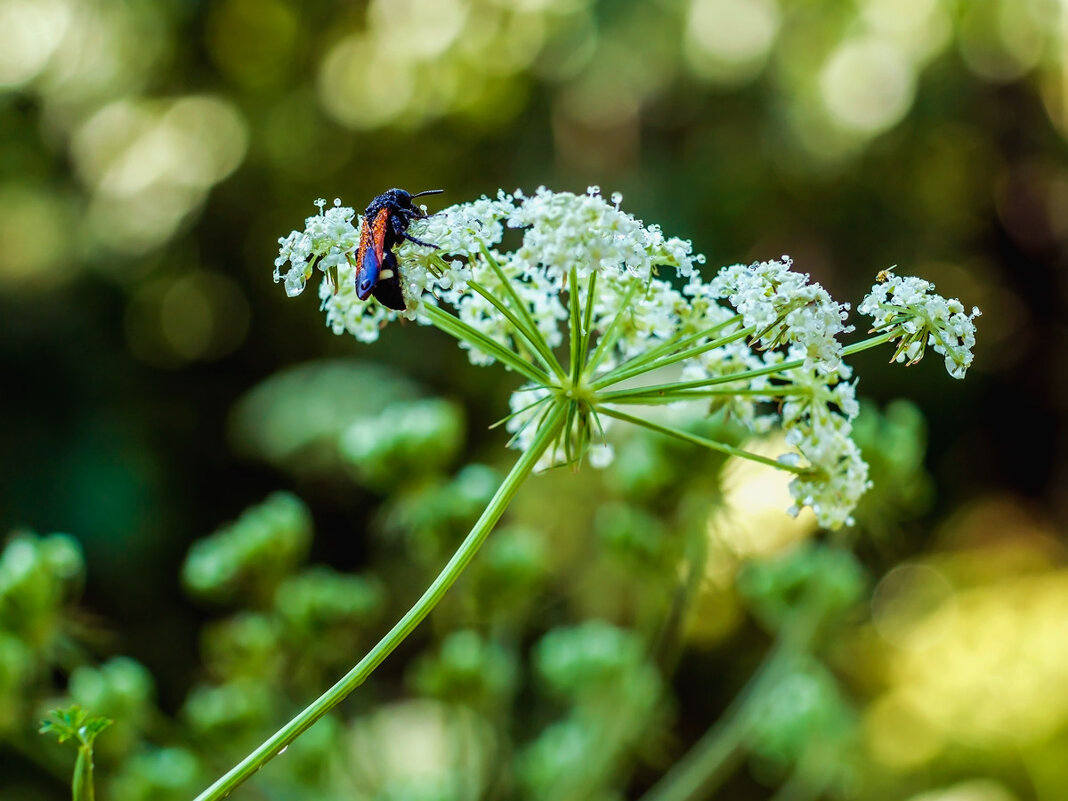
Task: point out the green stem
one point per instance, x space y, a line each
414 616
718 752
531 327
639 397
576 326
711 444
455 327
676 386
662 355
587 320
82 784
569 421
611 334
674 358
800 787
518 412
533 338
870 342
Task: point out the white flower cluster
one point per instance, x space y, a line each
783 307
910 308
330 240
818 421
565 231
759 341
536 289
323 243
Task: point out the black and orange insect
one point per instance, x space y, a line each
385 224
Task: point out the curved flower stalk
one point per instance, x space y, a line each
592 303
593 310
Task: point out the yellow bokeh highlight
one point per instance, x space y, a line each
418 60
359 88
107 51
904 597
751 521
899 736
987 667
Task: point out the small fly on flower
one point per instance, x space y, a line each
385 224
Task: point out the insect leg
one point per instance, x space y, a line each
411 238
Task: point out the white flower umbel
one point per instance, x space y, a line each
908 309
588 301
585 308
783 307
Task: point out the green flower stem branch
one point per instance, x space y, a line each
577 338
714 757
870 342
782 391
611 334
461 331
277 743
694 439
529 327
658 390
644 364
530 336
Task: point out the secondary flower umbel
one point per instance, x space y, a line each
909 309
760 340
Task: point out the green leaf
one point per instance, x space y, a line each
73 722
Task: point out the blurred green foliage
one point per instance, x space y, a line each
503 696
157 384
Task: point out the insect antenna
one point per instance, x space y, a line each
428 192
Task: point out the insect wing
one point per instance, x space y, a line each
388 290
371 255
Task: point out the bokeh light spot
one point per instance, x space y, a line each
1001 41
897 735
534 6
971 790
752 520
150 164
867 85
253 41
108 50
920 27
211 137
989 670
905 596
356 93
729 40
30 32
34 227
196 316
420 29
